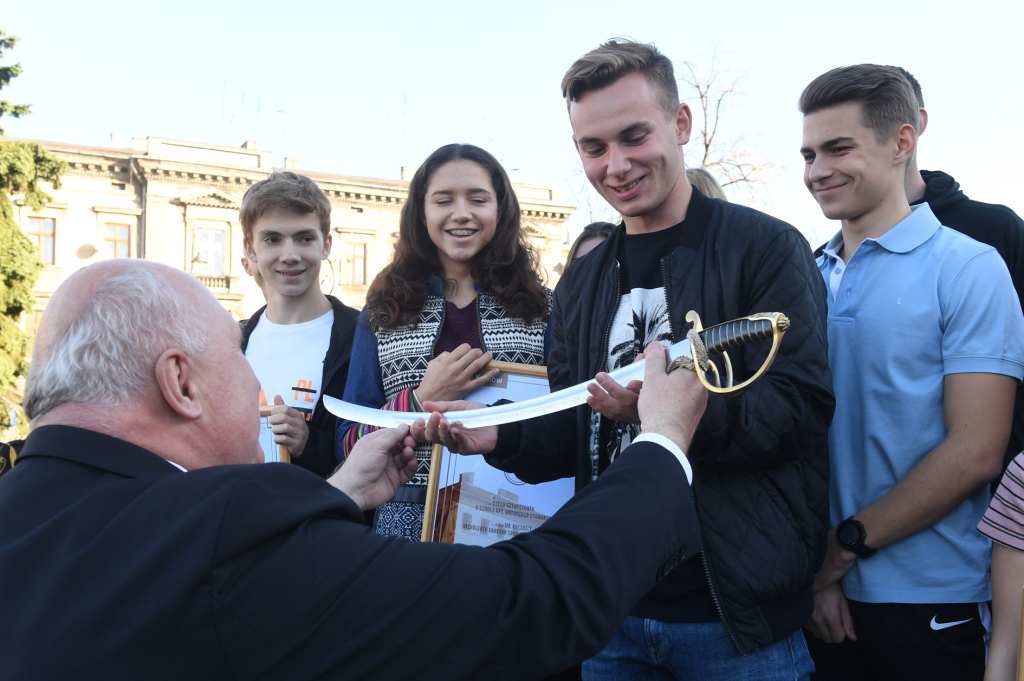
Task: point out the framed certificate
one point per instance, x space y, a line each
470 502
272 452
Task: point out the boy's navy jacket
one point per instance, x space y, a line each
114 564
318 456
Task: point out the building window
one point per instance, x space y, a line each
32 320
41 233
354 267
209 252
116 241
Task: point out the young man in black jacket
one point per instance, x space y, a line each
299 343
991 224
761 459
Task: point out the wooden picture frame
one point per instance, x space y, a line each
282 454
509 511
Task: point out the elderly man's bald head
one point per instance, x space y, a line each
106 325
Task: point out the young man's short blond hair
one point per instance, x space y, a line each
616 59
284 190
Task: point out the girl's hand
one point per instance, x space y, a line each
450 375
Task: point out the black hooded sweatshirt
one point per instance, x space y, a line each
1000 228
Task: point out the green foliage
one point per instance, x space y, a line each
7 73
23 166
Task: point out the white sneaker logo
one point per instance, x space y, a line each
945 625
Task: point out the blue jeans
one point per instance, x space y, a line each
647 649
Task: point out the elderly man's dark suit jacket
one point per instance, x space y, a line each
116 565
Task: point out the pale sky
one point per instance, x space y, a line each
362 88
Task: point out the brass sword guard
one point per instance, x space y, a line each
734 334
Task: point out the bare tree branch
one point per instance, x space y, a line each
735 161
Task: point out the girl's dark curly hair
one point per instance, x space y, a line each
507 266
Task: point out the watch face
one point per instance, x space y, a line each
848 535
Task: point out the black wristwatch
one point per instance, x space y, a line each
851 535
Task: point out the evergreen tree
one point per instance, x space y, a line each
23 166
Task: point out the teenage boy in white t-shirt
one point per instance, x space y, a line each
299 343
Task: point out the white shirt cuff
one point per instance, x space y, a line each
670 446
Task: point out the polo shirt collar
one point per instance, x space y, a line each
832 247
911 231
908 234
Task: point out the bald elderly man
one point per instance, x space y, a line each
130 549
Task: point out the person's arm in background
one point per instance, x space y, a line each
1007 588
1003 523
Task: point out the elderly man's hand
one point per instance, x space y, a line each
289 426
670 404
456 438
380 463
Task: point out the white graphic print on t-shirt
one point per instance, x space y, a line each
641 318
288 360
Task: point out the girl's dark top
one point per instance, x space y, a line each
460 326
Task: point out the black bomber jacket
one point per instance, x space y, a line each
760 460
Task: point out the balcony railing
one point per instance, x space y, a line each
214 282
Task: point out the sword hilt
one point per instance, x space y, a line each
739 332
735 334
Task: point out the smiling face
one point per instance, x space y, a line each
461 211
847 170
631 150
288 247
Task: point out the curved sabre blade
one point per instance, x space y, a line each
504 413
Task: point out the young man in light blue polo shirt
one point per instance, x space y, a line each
926 347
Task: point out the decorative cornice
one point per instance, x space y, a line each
118 170
198 177
559 215
116 210
210 198
236 180
539 231
56 205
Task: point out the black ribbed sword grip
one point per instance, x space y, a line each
735 334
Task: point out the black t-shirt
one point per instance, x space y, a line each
640 318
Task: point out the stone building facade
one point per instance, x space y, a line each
177 203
